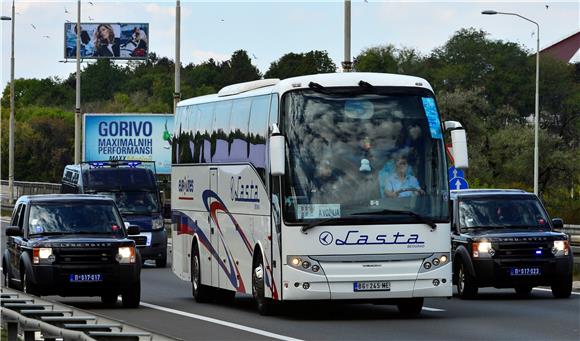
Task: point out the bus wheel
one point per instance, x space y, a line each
411 307
264 305
201 293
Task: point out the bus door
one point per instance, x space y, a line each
214 232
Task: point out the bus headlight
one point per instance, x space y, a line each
561 248
435 261
304 263
126 255
42 255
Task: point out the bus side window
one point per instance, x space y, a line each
221 131
239 130
258 130
204 131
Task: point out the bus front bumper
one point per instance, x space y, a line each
340 281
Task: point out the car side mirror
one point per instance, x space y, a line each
133 230
13 231
558 223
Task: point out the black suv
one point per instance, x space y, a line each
72 245
505 239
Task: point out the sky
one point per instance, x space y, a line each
269 29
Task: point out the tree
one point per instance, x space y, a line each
468 59
100 80
238 69
299 64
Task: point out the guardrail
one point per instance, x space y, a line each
32 315
29 188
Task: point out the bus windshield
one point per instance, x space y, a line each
351 153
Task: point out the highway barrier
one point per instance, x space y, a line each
31 315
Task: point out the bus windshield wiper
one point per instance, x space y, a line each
331 221
420 218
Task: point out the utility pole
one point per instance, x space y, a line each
11 130
177 92
347 64
78 117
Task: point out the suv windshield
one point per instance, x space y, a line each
523 211
136 202
355 154
75 218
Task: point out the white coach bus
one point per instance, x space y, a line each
321 187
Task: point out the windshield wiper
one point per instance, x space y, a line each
331 221
50 233
420 218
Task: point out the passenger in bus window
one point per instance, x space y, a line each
326 182
398 181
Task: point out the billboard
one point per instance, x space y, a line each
144 137
107 40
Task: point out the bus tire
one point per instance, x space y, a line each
201 293
263 304
410 307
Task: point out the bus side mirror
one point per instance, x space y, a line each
459 143
277 154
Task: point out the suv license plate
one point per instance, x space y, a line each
525 272
85 278
372 286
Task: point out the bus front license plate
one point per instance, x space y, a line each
372 286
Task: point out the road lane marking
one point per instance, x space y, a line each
220 322
433 309
549 290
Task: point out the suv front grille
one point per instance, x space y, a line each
139 240
524 250
85 256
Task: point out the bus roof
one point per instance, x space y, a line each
261 87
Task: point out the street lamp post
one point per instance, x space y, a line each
347 64
11 127
537 100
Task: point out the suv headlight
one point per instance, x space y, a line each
482 250
561 248
126 255
158 223
42 255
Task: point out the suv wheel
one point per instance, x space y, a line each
109 299
161 262
562 288
201 293
466 287
410 307
27 286
132 297
523 290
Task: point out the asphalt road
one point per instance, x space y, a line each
168 308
